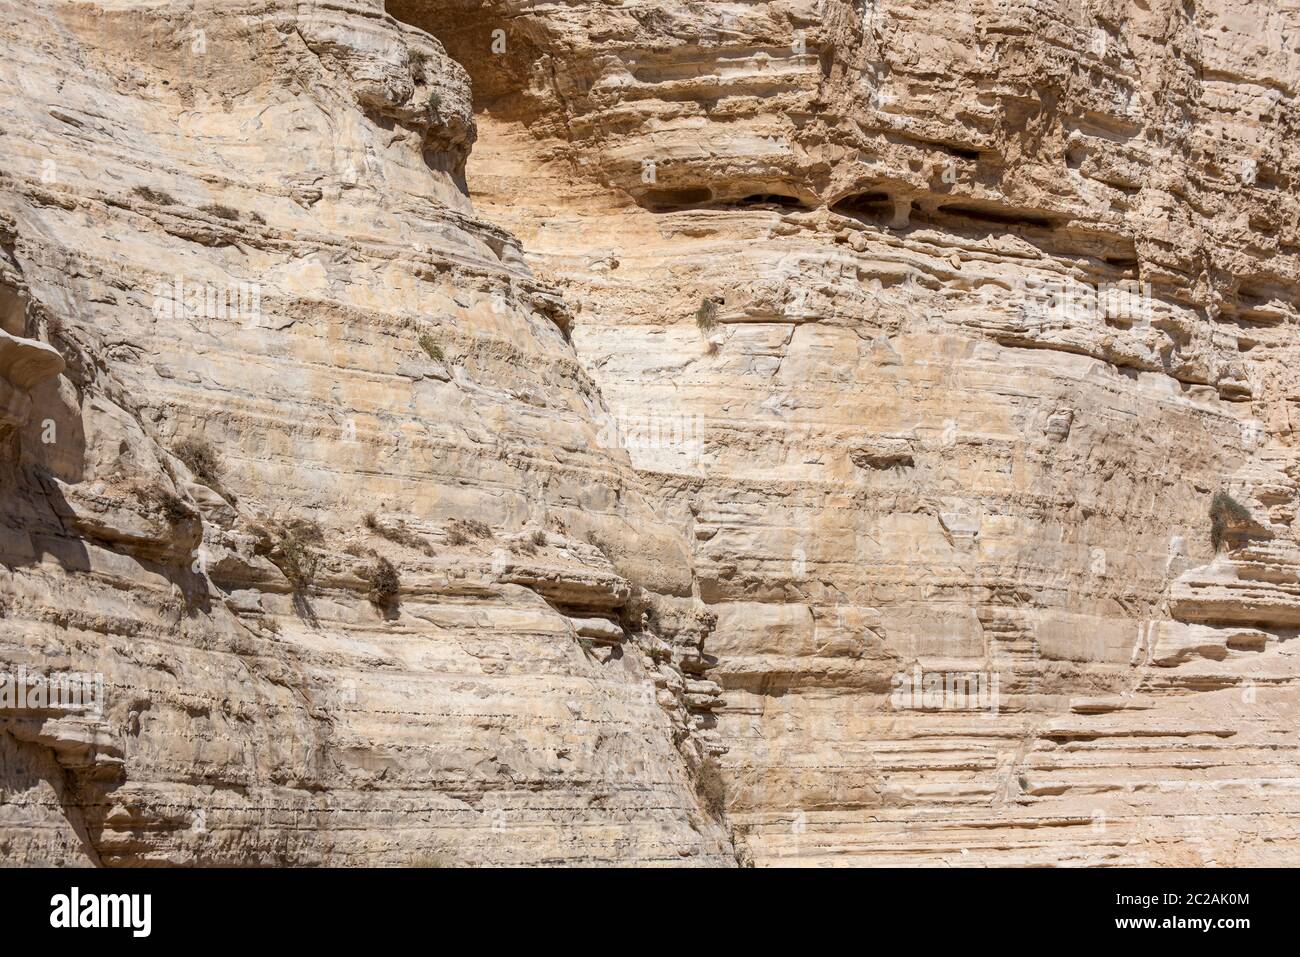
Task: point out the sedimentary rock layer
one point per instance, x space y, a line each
965 313
505 432
292 350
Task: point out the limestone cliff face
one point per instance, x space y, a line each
293 349
972 309
704 371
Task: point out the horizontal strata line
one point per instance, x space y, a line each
946 818
380 809
306 707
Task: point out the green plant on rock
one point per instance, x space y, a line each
200 458
161 197
385 585
462 530
1225 512
294 556
221 211
706 316
431 347
419 65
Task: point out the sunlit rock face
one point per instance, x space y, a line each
938 327
800 432
256 339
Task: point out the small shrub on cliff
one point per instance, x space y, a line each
419 66
295 557
431 348
599 543
398 533
1225 512
706 317
384 582
200 458
434 106
524 547
437 858
173 508
712 789
529 544
221 211
53 326
463 530
655 649
151 195
307 529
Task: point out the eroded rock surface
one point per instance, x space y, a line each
967 311
293 349
704 371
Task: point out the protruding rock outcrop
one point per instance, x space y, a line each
24 364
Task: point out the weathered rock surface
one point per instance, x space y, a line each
966 312
704 370
244 228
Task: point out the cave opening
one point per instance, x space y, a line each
672 200
769 200
871 207
497 47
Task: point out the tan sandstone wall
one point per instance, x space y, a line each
515 705
763 364
923 440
